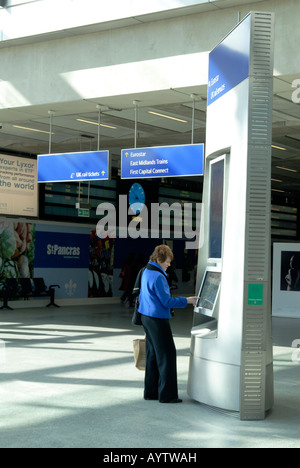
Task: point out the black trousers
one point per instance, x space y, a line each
161 368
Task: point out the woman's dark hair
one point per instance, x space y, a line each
161 253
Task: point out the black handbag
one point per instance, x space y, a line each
136 316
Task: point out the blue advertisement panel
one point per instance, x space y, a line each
73 167
162 161
229 62
63 258
62 250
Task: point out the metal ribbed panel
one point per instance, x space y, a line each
253 390
262 41
257 257
257 254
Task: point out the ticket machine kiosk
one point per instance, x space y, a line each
231 365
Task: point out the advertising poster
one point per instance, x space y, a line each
17 249
73 258
101 266
18 186
286 280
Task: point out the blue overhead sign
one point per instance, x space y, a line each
73 167
162 161
229 62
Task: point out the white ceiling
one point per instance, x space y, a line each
69 134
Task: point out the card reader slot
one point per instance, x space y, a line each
206 330
204 326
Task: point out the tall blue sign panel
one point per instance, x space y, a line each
229 62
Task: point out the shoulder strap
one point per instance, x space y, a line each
155 268
137 284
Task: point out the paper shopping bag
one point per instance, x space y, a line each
139 350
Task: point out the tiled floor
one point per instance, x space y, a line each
68 380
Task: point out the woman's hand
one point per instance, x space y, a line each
192 300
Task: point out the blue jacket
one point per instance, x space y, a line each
155 298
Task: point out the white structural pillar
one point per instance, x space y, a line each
231 362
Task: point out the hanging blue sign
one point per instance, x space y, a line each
229 62
162 161
73 167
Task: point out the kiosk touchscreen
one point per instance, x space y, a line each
208 292
216 206
205 321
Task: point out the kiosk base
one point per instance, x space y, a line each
214 383
217 384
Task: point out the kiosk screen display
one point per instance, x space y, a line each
216 207
209 292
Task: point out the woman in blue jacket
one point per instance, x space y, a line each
155 306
